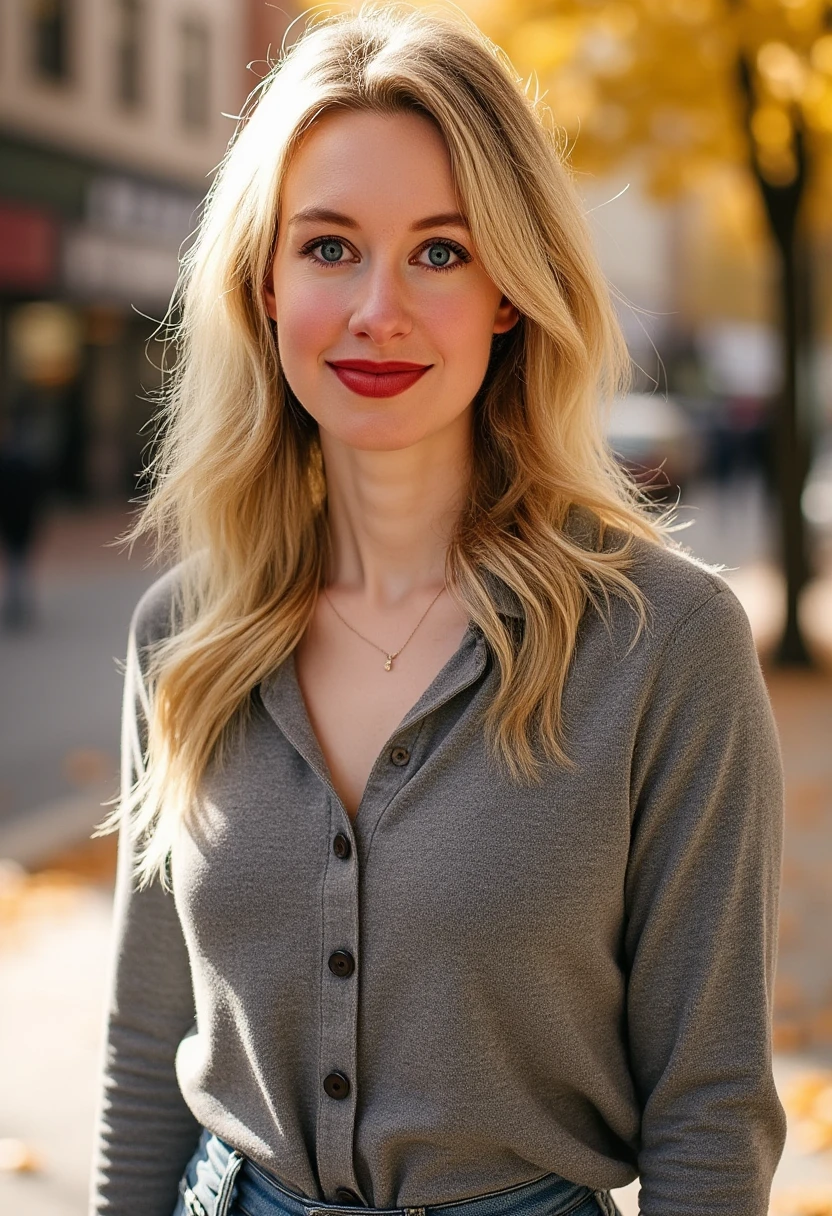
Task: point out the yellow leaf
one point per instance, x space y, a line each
821 55
783 70
799 1098
618 19
16 1157
547 43
805 1201
771 127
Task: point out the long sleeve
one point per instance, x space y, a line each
702 895
144 1131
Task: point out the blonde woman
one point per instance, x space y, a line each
451 807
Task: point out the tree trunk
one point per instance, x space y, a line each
782 205
792 458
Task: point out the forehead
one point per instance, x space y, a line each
371 166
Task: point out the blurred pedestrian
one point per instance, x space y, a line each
22 492
451 810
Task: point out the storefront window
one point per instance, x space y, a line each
129 47
194 69
50 36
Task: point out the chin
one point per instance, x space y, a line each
380 436
382 427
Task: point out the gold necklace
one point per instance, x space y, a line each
388 666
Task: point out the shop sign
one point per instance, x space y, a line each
131 208
28 248
106 269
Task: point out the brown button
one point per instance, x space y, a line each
341 963
336 1085
400 756
341 846
344 1195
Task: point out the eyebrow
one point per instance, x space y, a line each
322 215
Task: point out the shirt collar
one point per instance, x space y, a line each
505 601
283 700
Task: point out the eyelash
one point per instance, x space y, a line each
463 255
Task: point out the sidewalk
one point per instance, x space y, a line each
54 942
60 696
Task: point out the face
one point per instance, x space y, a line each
384 315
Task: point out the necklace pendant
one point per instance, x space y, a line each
388 666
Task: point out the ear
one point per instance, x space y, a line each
268 295
506 316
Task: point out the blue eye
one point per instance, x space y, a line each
439 255
443 254
331 251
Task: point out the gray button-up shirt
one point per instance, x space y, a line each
571 977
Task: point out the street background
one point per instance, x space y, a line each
700 132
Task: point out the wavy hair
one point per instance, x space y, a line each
237 450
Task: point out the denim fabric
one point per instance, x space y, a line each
219 1181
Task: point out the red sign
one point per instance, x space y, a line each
28 248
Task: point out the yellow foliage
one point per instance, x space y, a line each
783 70
663 78
546 43
821 55
618 19
771 126
818 108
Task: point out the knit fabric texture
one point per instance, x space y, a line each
571 977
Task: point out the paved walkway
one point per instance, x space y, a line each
60 698
54 932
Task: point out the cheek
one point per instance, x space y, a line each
464 308
308 321
462 326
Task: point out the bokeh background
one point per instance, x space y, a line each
700 135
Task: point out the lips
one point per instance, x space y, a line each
372 378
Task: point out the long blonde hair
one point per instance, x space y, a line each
238 491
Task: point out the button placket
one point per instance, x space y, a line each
340 971
394 767
283 702
341 968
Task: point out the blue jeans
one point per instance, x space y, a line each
219 1181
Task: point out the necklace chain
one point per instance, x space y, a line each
388 666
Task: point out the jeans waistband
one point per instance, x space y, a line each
259 1193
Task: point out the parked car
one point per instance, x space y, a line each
817 492
656 442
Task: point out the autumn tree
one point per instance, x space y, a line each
693 85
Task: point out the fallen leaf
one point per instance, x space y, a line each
820 1026
800 1096
803 1201
17 1158
789 1034
813 1135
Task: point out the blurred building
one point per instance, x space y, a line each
113 114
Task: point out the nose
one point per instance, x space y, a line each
380 311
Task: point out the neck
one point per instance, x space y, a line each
392 514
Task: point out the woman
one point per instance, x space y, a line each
451 813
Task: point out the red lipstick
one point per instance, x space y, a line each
372 378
